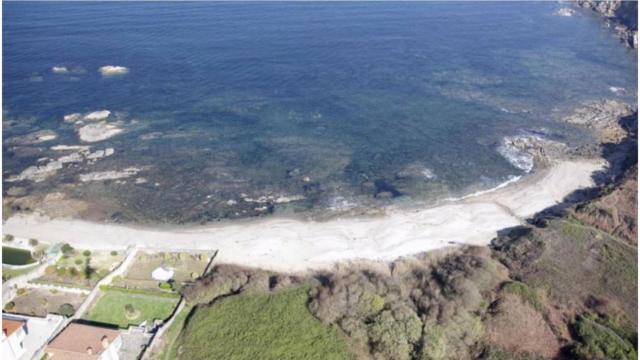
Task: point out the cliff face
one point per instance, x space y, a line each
623 15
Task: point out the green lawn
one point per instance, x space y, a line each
261 326
110 308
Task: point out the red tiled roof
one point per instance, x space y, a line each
79 341
10 326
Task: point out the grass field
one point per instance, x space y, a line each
260 326
110 308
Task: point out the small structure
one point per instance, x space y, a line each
162 274
80 342
13 334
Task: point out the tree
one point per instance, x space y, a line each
67 249
33 242
8 238
66 309
88 270
86 253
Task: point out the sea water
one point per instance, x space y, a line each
232 110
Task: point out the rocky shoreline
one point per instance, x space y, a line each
621 15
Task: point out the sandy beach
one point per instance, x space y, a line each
295 245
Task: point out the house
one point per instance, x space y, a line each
35 334
13 335
162 274
80 341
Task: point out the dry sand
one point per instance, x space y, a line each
295 245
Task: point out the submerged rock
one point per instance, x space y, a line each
110 175
98 131
526 151
603 117
34 137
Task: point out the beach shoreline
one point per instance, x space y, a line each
290 245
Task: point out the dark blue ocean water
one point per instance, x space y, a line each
342 103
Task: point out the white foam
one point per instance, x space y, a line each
515 156
617 90
59 70
566 12
512 179
110 70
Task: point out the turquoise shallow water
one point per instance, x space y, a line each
337 105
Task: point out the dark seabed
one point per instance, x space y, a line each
235 110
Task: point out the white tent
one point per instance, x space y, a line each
162 274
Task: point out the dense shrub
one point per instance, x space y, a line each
114 253
33 242
10 306
86 253
67 249
66 309
597 341
8 238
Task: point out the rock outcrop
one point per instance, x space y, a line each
622 15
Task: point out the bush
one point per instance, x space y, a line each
37 254
67 250
130 311
10 306
73 272
33 242
61 271
598 341
165 286
8 238
78 261
114 253
86 253
50 270
21 291
66 309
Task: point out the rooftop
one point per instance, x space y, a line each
79 341
11 326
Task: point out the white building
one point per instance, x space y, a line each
162 274
24 337
13 334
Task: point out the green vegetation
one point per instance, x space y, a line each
66 309
123 309
9 306
33 242
15 256
527 294
164 286
8 273
146 292
8 238
598 341
171 335
67 250
259 326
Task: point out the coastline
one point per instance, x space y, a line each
290 245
